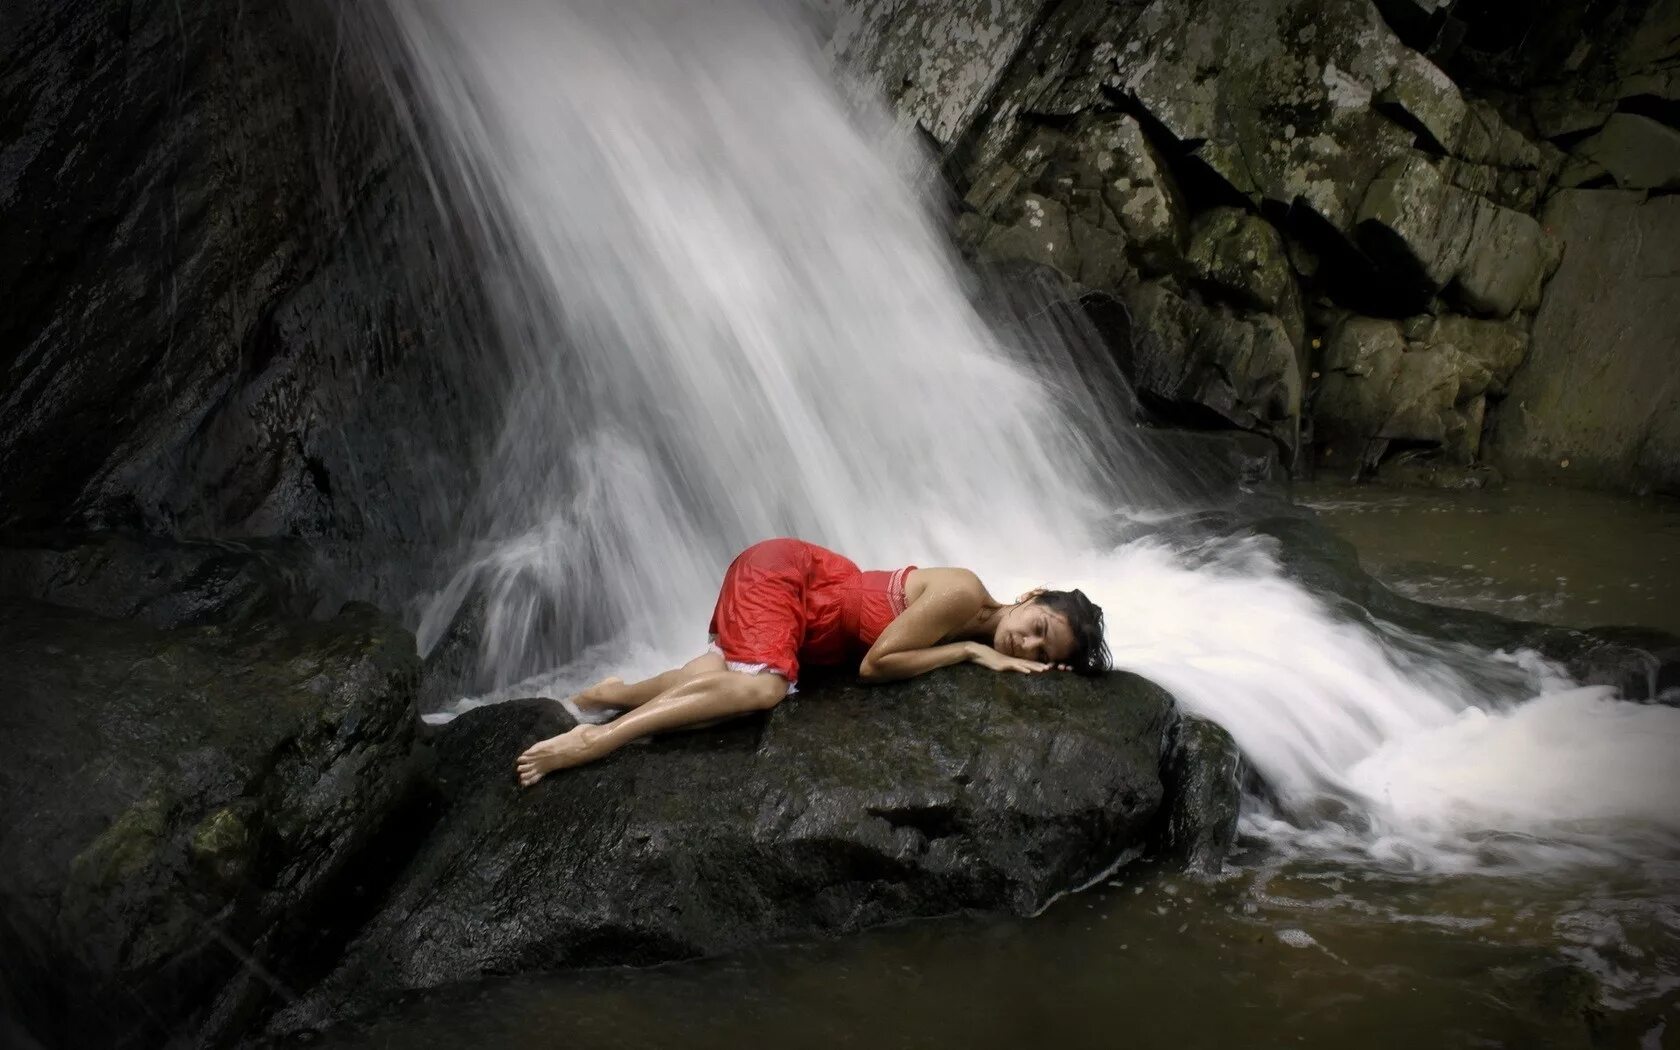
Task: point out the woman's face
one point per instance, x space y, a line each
1032 632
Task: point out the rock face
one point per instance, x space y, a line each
232 310
190 818
1600 395
847 806
1226 171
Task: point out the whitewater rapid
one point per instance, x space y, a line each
732 312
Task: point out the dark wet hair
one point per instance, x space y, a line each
1090 652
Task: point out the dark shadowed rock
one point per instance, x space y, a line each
846 807
189 818
164 583
1188 351
1637 152
1203 774
233 309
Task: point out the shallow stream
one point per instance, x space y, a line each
1287 948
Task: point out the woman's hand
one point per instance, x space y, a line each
992 660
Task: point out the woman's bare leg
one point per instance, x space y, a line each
615 692
706 697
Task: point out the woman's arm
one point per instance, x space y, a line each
910 645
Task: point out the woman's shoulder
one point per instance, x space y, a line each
944 580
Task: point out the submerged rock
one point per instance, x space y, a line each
190 818
846 807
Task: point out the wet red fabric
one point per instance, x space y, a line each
785 603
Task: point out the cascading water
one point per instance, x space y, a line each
733 316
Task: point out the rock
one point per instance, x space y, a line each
1187 351
1485 138
1503 263
1378 388
1427 97
1415 223
1243 256
1498 346
1420 225
1046 78
1427 385
847 806
1517 189
1289 116
1433 472
1203 776
1035 231
1637 152
1136 187
164 583
1595 401
938 63
1640 663
190 817
1107 186
206 277
1559 112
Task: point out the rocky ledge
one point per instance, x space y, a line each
846 807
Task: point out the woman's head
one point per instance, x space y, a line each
1055 627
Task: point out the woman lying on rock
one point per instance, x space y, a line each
784 603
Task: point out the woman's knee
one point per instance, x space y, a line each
766 691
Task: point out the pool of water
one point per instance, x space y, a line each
1276 953
1287 948
1573 558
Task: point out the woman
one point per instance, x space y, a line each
785 602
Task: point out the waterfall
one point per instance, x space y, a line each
731 314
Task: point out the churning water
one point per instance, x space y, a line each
732 315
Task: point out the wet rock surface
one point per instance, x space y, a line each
1204 774
190 818
847 806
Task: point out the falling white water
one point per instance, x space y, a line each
732 316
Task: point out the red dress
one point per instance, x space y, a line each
785 602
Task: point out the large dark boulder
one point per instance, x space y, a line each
190 818
846 807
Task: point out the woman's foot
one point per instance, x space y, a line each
571 748
608 692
